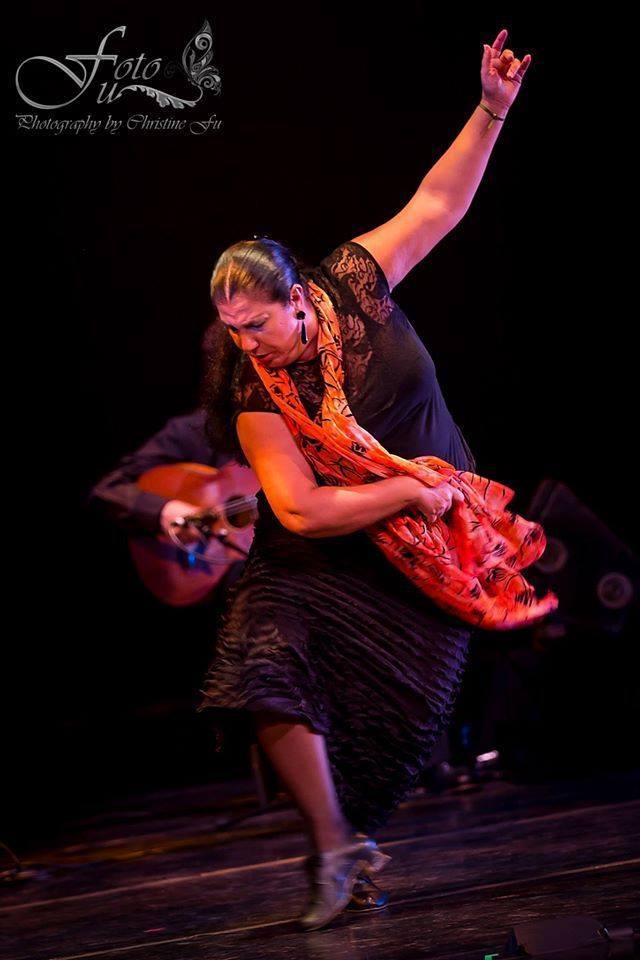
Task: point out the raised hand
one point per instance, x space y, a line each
501 74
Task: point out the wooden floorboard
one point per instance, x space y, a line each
154 877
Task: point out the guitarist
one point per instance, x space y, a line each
182 438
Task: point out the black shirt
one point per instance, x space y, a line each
390 378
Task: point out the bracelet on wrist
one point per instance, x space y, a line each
490 112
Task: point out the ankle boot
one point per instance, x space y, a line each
332 875
366 894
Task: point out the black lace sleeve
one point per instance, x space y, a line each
360 279
248 392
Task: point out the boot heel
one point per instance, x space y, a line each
367 895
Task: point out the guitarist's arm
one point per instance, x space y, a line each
181 439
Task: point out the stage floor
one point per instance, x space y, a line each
152 878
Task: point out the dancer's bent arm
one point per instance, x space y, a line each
306 508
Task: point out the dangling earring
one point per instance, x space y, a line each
300 315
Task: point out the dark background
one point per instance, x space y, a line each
331 117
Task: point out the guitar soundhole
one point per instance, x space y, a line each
238 513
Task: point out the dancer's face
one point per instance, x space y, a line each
266 328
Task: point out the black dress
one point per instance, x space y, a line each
326 629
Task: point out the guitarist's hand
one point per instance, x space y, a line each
174 510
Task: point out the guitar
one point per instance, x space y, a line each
181 574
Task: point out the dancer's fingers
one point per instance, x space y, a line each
513 69
522 69
498 42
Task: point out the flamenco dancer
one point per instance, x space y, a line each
378 549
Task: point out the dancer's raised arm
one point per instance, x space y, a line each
446 192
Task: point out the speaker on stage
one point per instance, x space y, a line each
573 938
595 575
560 696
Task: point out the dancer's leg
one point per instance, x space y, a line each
300 758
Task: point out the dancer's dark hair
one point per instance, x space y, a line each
262 268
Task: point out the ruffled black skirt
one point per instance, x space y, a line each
329 631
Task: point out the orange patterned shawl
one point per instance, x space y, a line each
468 562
